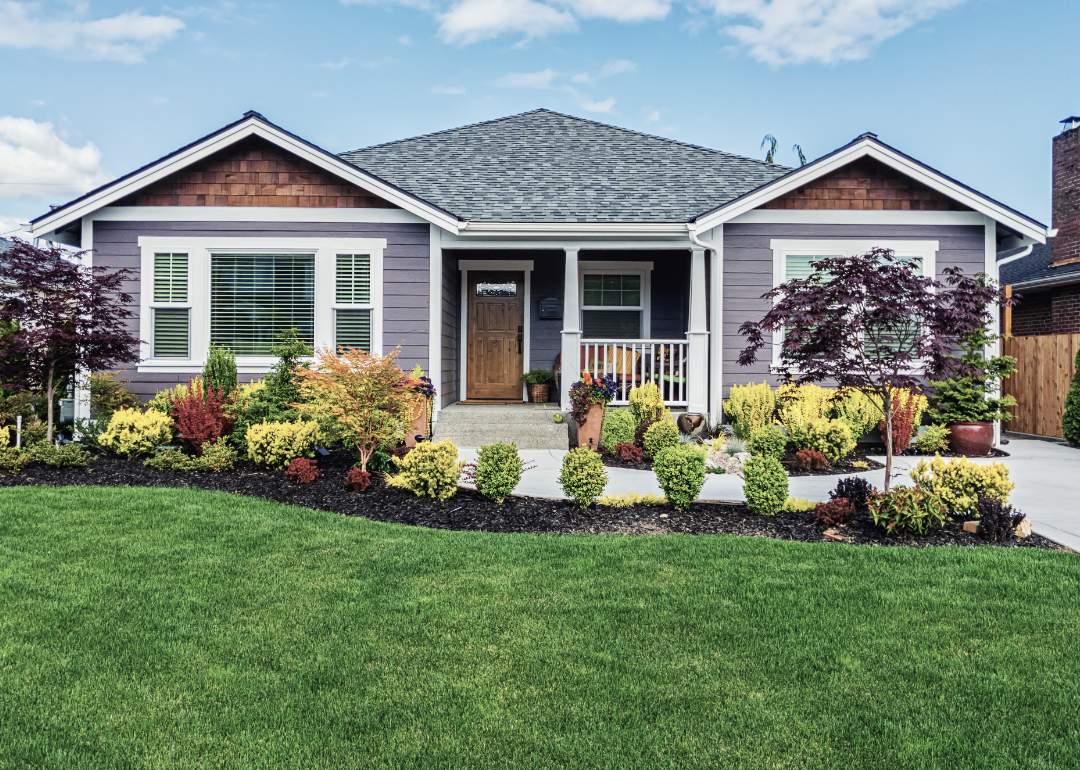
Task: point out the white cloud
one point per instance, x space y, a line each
473 20
124 38
448 90
405 40
11 227
589 106
619 10
653 116
543 79
160 100
34 160
336 65
616 67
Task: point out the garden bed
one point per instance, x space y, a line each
469 511
842 468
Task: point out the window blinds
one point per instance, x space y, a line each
171 332
170 277
353 329
353 279
253 297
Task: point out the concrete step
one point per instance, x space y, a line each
530 426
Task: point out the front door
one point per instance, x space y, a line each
495 334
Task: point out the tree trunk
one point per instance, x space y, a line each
887 400
49 393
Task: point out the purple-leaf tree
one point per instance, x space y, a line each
65 316
872 322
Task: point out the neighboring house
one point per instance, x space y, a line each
1046 277
490 249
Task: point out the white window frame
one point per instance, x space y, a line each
154 305
200 251
642 269
926 251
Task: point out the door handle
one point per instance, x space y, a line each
520 337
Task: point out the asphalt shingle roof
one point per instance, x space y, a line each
1035 266
543 166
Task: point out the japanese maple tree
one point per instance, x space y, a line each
66 317
872 322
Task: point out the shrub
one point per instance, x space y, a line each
171 459
837 511
89 431
64 456
11 460
855 489
798 405
736 446
646 404
997 520
1070 420
132 432
810 460
959 483
219 374
660 435
906 407
282 387
107 395
200 416
582 477
833 438
906 509
7 436
358 479
34 432
765 485
630 499
537 376
629 453
163 400
302 470
217 457
799 505
769 441
498 470
431 470
750 408
680 471
934 440
249 405
856 409
618 428
275 444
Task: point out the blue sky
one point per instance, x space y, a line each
972 87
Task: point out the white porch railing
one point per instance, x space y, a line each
634 362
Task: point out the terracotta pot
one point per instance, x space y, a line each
588 432
538 392
419 424
973 439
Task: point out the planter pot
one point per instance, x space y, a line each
538 392
588 432
419 424
973 439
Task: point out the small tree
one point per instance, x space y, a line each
1070 421
281 380
872 322
64 317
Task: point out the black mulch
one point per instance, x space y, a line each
916 453
843 467
469 511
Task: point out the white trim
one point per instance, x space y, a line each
609 267
435 288
697 337
570 336
251 214
515 265
716 324
492 229
82 395
847 217
252 126
200 250
529 243
1027 250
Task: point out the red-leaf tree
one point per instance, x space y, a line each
872 322
68 317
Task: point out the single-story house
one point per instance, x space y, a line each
490 249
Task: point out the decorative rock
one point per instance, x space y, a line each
971 526
1023 529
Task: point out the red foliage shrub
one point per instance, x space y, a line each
302 470
810 460
838 511
629 453
903 418
199 415
358 480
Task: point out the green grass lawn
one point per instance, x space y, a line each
179 628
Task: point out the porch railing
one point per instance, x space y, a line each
634 362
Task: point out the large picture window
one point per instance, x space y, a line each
612 305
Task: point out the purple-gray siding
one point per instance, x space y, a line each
451 328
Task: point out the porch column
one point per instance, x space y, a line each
571 331
697 337
435 307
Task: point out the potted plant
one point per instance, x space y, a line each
421 418
965 402
538 382
589 396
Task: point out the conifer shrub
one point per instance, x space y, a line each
1070 421
582 476
275 444
217 457
11 460
64 456
935 439
498 470
769 441
618 428
660 435
169 459
430 470
799 505
646 404
163 400
131 432
750 408
630 499
765 485
219 374
680 471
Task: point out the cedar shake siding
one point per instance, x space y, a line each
405 276
254 172
865 185
748 273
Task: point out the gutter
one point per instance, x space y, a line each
1048 283
1015 257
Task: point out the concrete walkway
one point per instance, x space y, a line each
1047 477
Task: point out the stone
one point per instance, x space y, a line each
971 526
1023 529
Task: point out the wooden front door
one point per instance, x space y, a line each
495 334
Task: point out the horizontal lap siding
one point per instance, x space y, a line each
405 275
545 336
748 272
451 328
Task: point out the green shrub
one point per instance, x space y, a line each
163 399
659 436
856 409
498 470
769 441
833 438
750 408
107 395
132 432
281 386
274 444
907 509
618 428
63 456
11 460
934 440
430 470
646 403
217 457
959 483
170 459
765 485
89 431
582 477
680 471
220 370
1070 420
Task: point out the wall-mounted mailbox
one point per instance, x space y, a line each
551 308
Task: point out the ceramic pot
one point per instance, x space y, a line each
419 424
538 392
588 432
972 439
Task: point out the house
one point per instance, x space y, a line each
497 247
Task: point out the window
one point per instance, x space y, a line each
352 306
170 314
612 305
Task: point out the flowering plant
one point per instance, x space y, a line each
590 390
419 384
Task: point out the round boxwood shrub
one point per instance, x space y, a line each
582 477
659 436
769 441
618 428
498 470
765 485
680 471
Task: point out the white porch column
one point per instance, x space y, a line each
697 336
435 306
571 331
82 394
716 324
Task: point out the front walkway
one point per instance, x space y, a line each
1047 477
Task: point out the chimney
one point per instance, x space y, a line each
1065 214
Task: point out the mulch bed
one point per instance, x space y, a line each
841 468
994 452
469 511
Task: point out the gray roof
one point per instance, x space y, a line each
543 166
1035 266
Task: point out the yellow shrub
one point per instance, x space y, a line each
749 408
858 411
163 399
430 470
798 505
959 482
5 437
920 402
275 444
646 403
628 499
798 405
132 432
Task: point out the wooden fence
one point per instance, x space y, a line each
1044 370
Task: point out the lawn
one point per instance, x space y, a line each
181 628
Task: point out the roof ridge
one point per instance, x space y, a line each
444 131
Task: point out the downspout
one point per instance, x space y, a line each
1015 257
